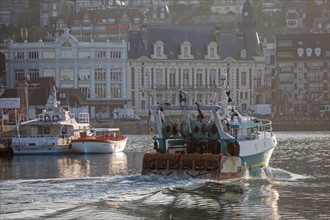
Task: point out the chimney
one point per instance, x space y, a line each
217 33
241 37
144 33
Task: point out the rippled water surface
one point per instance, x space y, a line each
295 186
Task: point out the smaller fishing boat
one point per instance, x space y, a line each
50 132
100 141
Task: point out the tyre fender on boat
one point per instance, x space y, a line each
167 128
213 131
196 129
184 129
233 149
175 129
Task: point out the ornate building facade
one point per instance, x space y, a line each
162 59
98 69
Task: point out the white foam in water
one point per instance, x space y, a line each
280 174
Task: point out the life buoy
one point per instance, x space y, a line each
213 131
55 118
196 129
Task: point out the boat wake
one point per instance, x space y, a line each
145 196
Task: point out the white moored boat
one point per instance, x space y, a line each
50 133
217 143
101 141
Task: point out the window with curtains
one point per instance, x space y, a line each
84 74
66 74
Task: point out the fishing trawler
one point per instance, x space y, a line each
208 140
50 132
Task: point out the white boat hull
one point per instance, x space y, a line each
40 145
98 146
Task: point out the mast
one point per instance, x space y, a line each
223 93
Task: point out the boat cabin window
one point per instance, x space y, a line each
64 130
46 130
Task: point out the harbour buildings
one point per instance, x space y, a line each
162 59
303 72
155 60
98 69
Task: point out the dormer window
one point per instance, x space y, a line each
243 54
300 52
317 51
212 51
159 51
186 51
309 51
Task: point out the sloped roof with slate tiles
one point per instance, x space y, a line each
141 42
39 89
72 98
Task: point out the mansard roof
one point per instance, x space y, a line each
230 44
172 37
250 40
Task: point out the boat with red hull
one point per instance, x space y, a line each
99 141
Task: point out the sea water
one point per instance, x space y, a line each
109 186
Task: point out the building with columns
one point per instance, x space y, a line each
98 69
163 59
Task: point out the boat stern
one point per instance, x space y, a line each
206 165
